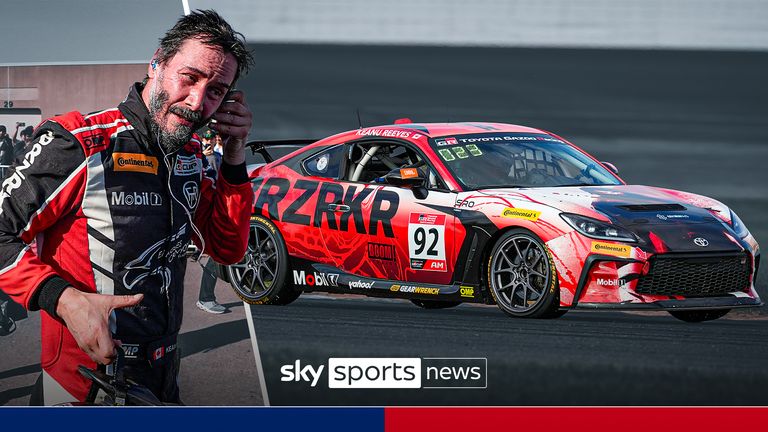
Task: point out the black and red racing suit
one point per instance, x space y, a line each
113 214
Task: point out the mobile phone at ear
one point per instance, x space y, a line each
227 98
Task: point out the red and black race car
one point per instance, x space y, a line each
488 213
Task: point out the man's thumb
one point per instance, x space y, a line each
122 301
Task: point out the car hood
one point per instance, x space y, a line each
667 220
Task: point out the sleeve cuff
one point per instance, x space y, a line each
234 174
47 296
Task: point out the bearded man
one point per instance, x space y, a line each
113 199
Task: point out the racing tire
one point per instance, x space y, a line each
435 304
521 276
697 316
261 278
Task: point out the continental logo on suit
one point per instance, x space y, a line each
614 249
531 215
135 162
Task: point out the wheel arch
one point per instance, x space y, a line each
486 253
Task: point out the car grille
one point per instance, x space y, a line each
696 276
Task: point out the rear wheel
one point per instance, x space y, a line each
261 277
522 276
435 304
696 316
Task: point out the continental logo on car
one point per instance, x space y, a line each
519 213
414 289
135 162
618 250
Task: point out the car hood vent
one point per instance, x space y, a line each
652 207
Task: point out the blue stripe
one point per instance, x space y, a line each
191 419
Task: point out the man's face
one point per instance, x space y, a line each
2 134
186 91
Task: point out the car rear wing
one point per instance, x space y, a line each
260 147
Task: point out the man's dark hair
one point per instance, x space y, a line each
211 29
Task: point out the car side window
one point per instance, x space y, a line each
370 162
326 163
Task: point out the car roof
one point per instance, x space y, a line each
433 130
429 130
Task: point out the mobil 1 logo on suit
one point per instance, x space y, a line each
136 199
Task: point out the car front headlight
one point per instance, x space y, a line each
596 229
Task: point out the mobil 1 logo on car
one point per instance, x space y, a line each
315 279
426 241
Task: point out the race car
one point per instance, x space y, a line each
490 213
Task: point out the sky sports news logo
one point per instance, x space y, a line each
391 373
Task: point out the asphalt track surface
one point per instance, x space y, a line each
696 121
583 358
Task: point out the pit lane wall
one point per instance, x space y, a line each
646 24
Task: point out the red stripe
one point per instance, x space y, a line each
705 419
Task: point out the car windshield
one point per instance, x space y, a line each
518 160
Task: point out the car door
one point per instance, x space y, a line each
385 232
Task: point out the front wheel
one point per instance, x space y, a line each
261 277
696 316
522 276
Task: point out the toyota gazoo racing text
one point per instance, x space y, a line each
488 213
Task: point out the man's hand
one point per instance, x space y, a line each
87 318
233 122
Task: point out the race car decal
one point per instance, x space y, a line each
384 252
446 141
531 215
461 152
409 173
310 276
384 208
426 241
414 289
393 133
611 249
315 279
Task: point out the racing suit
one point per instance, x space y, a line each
112 214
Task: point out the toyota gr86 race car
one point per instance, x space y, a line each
488 213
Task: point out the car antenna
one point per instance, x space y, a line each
359 122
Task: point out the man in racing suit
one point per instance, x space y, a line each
114 198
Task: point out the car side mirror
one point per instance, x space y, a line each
409 178
611 167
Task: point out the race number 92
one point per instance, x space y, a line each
426 241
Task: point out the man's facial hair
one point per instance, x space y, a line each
170 141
